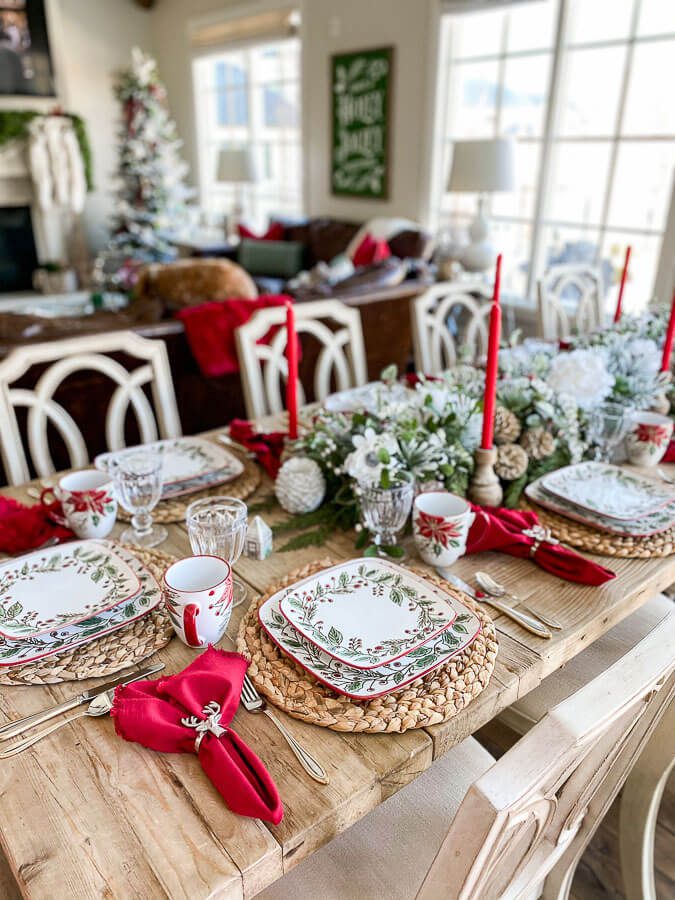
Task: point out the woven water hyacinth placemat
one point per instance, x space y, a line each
583 537
168 511
109 654
435 697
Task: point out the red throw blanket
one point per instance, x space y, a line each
210 328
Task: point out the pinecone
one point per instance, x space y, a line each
507 426
511 462
538 443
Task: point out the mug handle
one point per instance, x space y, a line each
54 516
190 614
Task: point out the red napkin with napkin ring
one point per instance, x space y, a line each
518 533
25 528
267 447
190 713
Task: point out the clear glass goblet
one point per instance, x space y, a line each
607 425
217 526
137 481
384 512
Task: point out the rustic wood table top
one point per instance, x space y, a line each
86 814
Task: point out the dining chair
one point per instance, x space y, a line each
474 829
644 787
570 301
61 359
448 320
341 362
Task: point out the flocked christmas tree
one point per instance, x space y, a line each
151 191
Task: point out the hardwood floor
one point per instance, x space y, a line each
598 876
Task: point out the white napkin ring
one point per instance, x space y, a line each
540 535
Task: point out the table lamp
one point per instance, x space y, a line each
236 165
484 167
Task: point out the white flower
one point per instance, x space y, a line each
582 375
364 463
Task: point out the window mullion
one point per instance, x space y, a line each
537 254
618 128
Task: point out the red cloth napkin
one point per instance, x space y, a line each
669 455
267 447
210 328
502 529
25 528
151 713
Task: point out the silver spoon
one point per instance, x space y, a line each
99 706
496 589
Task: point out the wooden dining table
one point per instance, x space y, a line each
86 814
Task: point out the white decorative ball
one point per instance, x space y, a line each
300 486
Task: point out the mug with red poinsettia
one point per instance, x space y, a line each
441 523
648 438
88 504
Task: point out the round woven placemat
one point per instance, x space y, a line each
583 537
168 511
435 697
107 655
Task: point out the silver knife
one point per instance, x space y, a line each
13 728
527 622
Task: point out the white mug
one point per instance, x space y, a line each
88 503
441 523
198 597
648 438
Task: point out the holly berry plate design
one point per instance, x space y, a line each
366 612
609 491
366 684
189 464
30 649
61 586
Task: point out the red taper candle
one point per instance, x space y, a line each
624 275
292 379
491 370
670 333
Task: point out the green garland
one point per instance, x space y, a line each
14 126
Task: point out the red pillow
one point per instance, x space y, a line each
274 233
370 251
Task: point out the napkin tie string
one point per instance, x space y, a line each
210 724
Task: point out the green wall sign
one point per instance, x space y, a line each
361 87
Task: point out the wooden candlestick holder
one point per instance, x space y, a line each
485 488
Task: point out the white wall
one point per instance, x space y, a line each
411 26
90 39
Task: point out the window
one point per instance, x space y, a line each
251 97
593 116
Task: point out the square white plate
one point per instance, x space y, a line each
190 463
365 684
610 491
366 612
20 652
54 588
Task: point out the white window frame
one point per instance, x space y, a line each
539 220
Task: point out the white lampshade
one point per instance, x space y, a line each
482 166
236 165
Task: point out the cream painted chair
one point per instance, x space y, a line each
475 829
561 316
459 305
341 363
63 358
645 785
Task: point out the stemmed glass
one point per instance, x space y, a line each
217 526
384 511
607 425
137 481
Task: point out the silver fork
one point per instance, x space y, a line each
254 703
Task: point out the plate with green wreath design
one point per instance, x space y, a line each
367 612
52 589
